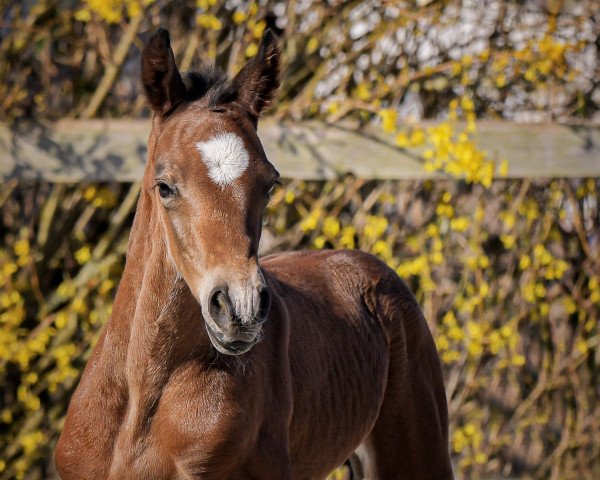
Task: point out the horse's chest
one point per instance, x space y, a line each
203 427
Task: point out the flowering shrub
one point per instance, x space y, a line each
508 277
532 61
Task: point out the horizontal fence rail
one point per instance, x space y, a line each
115 150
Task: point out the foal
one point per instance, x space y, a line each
215 367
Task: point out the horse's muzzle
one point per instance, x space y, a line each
236 331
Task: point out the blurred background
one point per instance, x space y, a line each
459 141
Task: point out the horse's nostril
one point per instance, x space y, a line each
220 305
264 303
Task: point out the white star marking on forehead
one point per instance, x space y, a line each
225 156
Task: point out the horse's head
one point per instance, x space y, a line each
209 182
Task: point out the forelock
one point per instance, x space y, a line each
210 83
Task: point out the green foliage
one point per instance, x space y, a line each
508 277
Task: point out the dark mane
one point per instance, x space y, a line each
211 83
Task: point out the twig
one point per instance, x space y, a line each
113 68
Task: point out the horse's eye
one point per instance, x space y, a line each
164 190
273 187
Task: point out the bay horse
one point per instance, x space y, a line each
215 365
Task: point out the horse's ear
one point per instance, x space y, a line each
161 80
258 80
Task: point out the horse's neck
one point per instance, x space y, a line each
155 315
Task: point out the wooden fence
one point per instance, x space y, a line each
115 150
